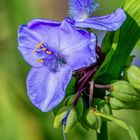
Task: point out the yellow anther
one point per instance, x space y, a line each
34 50
39 45
84 16
39 60
44 49
48 52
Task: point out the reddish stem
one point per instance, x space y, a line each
86 74
103 86
77 97
91 92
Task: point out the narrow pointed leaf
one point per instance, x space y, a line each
132 133
127 40
119 122
113 119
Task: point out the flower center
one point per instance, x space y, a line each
54 60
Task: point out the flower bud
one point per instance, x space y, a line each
123 91
102 106
71 120
91 119
106 109
132 73
79 106
60 116
117 104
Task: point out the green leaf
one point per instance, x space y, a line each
112 118
60 116
128 38
119 122
107 42
71 120
99 123
104 67
80 107
71 87
132 133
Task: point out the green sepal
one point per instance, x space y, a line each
91 119
79 106
123 91
132 74
102 106
71 120
60 116
117 104
71 88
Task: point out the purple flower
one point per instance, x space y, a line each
81 11
53 50
109 22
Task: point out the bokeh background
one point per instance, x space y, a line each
19 119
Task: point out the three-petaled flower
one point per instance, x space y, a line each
54 50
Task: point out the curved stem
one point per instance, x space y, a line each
104 132
77 97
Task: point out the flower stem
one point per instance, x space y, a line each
103 86
91 92
104 133
77 97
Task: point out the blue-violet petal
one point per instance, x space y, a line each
109 22
46 89
80 9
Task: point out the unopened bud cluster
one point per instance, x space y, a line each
69 115
91 120
122 94
125 93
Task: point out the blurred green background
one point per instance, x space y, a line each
19 119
